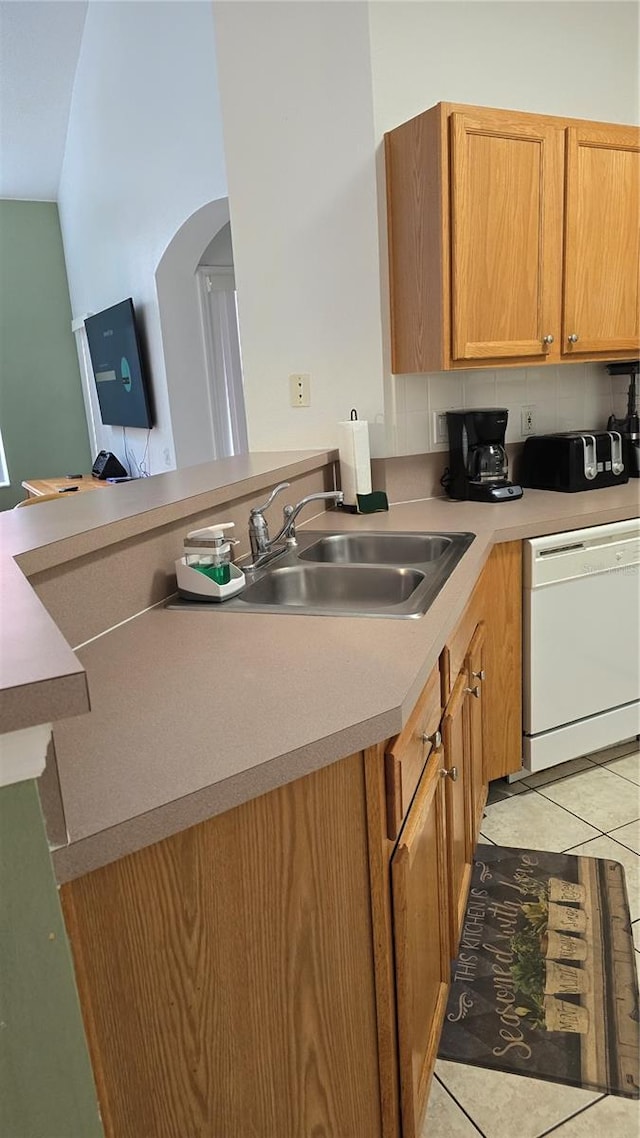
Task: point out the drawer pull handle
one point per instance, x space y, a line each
573 339
479 675
547 340
473 691
435 739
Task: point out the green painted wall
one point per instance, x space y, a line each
41 406
46 1083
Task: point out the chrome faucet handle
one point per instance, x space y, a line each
288 528
276 490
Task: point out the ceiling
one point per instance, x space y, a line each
39 47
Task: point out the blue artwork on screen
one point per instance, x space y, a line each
123 392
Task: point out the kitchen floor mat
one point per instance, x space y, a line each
545 981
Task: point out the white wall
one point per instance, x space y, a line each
295 90
144 151
576 59
554 57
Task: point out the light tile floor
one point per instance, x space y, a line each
589 806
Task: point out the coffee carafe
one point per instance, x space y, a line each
478 463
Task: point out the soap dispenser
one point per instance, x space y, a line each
206 571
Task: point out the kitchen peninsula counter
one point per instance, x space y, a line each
193 713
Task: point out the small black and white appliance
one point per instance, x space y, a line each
571 461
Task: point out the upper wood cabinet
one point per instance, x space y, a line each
602 240
505 236
513 238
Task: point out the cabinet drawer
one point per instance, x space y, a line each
408 752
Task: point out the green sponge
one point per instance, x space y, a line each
372 503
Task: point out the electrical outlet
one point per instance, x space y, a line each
300 390
439 427
528 420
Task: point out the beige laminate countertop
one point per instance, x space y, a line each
41 679
194 713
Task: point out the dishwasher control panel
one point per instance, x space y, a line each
599 549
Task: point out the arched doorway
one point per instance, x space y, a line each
200 337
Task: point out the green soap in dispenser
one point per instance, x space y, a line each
221 574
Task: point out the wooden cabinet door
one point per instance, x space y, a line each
506 211
406 754
421 941
456 763
475 711
602 240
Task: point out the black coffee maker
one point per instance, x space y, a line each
478 464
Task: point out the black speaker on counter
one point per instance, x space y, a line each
107 465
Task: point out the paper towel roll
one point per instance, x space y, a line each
355 460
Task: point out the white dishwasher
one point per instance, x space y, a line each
581 642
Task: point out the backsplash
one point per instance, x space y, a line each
566 397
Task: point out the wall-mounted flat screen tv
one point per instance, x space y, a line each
114 347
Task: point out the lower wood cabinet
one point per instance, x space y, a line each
421 940
226 974
430 874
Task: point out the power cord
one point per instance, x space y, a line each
142 469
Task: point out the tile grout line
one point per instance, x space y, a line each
585 770
617 773
601 833
610 834
579 816
583 1110
460 1107
604 765
605 834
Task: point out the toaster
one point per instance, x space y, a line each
574 460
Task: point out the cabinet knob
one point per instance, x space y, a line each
547 339
452 774
435 739
573 339
479 675
473 691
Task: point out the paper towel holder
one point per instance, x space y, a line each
374 502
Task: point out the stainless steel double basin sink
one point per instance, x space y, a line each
352 574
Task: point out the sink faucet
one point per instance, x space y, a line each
265 548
